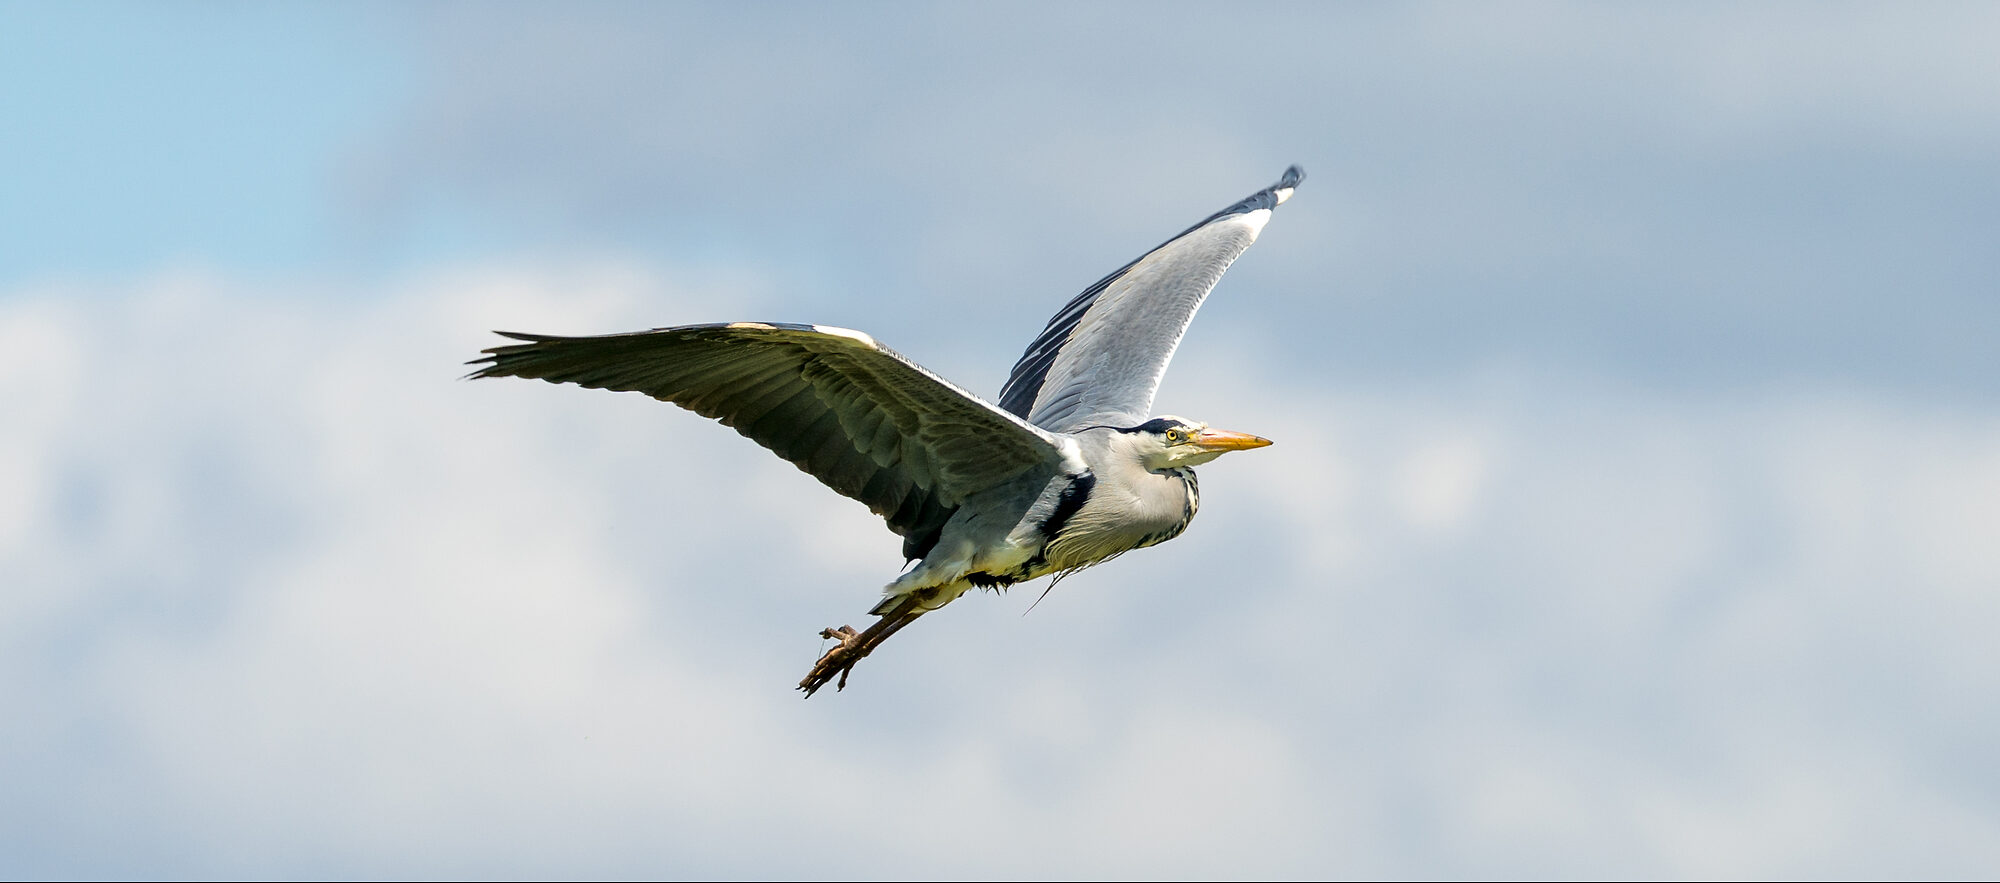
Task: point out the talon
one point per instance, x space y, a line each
839 658
853 645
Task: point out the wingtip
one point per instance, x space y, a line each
1287 183
1268 198
489 360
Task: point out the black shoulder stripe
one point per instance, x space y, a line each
1067 505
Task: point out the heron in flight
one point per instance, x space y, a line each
1070 468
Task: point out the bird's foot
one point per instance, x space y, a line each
840 660
854 645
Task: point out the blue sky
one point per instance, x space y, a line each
151 134
1635 508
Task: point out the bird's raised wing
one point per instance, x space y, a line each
1100 359
850 412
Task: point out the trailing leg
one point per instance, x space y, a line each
854 645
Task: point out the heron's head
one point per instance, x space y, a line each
1166 442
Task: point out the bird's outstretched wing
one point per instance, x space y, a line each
852 413
1100 359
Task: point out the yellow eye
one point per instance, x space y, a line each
1176 436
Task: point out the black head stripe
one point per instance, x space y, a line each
1157 425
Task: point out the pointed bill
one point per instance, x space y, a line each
1224 440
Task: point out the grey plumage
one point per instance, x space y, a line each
1101 358
1067 471
858 416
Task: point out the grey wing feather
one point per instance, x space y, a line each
852 413
1101 358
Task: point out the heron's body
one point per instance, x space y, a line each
1071 521
1068 470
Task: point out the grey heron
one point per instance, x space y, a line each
1068 469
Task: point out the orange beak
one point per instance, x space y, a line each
1224 440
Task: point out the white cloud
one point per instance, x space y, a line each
39 370
1441 481
285 595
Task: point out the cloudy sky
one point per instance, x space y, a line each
1635 508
